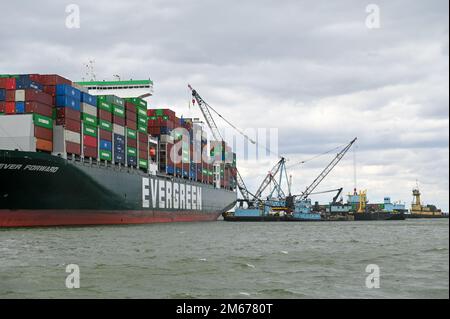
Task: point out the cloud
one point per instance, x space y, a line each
311 69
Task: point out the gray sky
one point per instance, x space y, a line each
312 69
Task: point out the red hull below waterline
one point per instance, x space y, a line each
43 218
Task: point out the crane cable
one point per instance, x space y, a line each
239 131
317 156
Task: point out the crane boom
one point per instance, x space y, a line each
269 177
204 107
326 171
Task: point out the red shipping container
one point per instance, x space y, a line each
50 89
43 133
10 95
143 147
35 78
143 138
53 79
2 107
73 148
8 83
105 135
89 141
155 131
131 124
90 151
132 143
118 120
38 96
38 108
10 107
104 115
71 125
143 155
130 115
68 113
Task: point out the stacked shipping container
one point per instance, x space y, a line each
131 124
89 115
68 120
20 94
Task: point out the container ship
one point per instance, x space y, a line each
93 153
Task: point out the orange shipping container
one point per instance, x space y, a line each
44 145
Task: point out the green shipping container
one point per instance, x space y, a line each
119 111
131 133
131 151
105 155
142 129
111 99
142 120
90 130
104 106
138 102
89 119
43 121
143 163
142 112
105 125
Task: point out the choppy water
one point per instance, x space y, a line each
229 260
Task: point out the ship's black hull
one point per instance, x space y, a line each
38 189
379 216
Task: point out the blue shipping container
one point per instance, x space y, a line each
132 161
119 158
20 107
119 147
105 145
170 169
2 94
165 130
67 101
247 212
25 84
88 99
67 90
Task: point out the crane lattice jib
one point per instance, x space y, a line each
242 188
266 182
204 107
326 171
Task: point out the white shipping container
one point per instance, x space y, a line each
60 136
117 129
88 109
168 139
81 88
20 96
73 137
17 133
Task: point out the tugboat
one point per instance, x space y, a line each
420 211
